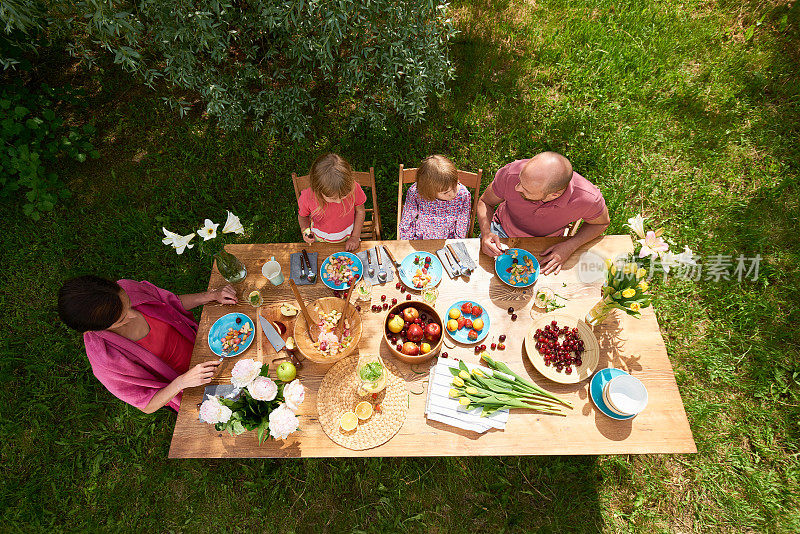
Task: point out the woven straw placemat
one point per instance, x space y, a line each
339 394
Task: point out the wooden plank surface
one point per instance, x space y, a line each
634 345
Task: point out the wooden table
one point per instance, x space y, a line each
627 343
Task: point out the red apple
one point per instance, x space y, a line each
411 349
432 332
410 314
414 333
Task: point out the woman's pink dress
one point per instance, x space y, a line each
128 370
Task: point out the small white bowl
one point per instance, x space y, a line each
611 406
626 395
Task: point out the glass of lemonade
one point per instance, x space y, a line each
371 374
255 299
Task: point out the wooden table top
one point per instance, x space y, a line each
634 345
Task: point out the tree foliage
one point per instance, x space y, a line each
267 63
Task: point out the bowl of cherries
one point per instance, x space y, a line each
413 332
562 348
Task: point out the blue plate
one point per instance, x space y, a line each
220 328
461 335
407 266
504 261
599 381
356 263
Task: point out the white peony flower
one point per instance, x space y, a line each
263 388
208 231
233 225
212 411
244 372
282 422
294 393
637 225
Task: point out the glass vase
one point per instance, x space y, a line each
230 267
599 312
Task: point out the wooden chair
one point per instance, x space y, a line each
469 179
372 219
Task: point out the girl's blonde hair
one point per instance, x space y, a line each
436 174
331 176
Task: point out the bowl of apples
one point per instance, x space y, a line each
413 332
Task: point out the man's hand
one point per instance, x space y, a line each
353 243
226 295
491 245
199 375
554 257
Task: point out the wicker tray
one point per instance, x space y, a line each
590 356
338 394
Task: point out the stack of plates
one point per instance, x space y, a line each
441 407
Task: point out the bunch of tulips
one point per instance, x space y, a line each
502 389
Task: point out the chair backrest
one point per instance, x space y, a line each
372 219
469 179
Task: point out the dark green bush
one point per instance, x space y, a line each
32 138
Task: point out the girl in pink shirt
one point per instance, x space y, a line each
332 209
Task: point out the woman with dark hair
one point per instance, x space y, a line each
138 337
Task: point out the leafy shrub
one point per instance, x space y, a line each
270 63
32 138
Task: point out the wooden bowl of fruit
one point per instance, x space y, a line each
413 332
327 348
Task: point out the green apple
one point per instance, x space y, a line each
286 372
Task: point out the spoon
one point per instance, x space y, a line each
313 328
370 270
381 271
312 274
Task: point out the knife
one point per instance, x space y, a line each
273 336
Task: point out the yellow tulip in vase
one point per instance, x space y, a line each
625 289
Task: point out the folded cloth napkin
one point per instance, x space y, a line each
441 407
387 265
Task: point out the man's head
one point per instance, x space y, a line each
544 177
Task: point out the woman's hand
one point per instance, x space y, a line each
226 295
353 243
199 375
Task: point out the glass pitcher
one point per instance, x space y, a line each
230 267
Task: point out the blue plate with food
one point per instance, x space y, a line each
232 333
421 269
340 270
517 267
467 322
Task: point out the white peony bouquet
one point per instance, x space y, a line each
265 405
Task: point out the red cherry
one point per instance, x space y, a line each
408 297
383 297
501 346
494 346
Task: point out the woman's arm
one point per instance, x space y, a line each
198 375
226 295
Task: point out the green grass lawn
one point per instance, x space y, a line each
672 108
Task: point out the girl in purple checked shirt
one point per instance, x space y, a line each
437 206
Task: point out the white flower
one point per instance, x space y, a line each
171 237
178 242
208 231
233 225
684 258
212 411
182 242
282 422
294 393
263 389
637 225
652 245
244 372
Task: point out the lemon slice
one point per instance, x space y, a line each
348 421
255 298
364 410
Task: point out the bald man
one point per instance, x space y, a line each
541 197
